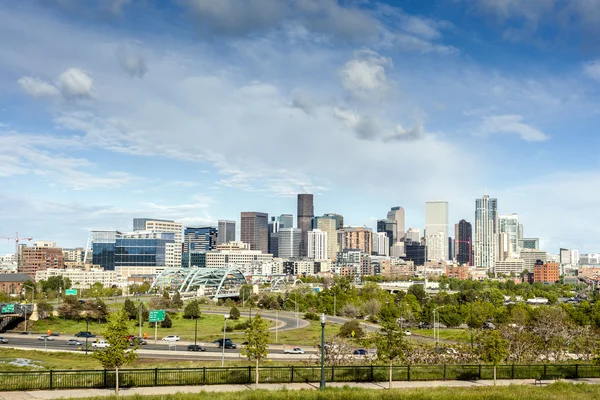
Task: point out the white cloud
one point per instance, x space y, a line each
75 82
37 87
512 124
364 76
592 69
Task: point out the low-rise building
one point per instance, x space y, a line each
460 272
12 284
509 266
81 279
546 272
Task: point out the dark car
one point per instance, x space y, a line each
26 333
137 340
3 340
195 347
488 325
228 343
85 335
425 325
360 352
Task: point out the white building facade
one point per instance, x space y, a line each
486 230
436 230
317 245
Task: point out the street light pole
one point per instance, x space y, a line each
323 321
223 343
87 330
140 314
276 326
196 333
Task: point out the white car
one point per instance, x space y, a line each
46 337
295 350
171 338
101 344
407 333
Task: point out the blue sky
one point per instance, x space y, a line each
196 110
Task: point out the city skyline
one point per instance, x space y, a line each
120 109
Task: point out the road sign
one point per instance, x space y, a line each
156 316
71 292
8 309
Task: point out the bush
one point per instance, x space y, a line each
229 329
167 323
349 327
311 316
234 313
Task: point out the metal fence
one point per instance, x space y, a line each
75 379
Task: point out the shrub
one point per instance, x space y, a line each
311 316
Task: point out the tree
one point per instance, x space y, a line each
44 309
70 308
167 322
351 330
391 344
96 309
130 309
234 313
349 310
177 302
118 352
55 283
192 310
493 349
418 291
257 337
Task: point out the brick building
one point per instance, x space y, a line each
12 284
40 258
546 272
460 272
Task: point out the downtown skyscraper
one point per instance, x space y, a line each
436 230
306 212
254 230
463 242
486 232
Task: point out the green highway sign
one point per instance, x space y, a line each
71 292
8 309
156 316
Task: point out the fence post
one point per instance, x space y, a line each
544 369
444 371
372 375
249 375
155 376
105 380
204 375
512 374
292 375
408 372
332 373
576 371
50 379
479 371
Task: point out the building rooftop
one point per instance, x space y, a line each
14 278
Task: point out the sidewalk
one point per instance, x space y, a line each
164 390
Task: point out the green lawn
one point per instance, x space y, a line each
459 335
557 391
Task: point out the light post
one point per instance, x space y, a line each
334 304
436 338
276 326
32 302
196 332
323 320
140 315
223 343
87 330
250 318
297 321
471 322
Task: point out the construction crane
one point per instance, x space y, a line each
17 239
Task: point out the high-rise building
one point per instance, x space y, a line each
329 224
306 213
277 223
529 243
486 230
226 232
289 242
415 252
509 224
530 256
174 252
381 244
389 227
199 239
142 249
254 230
286 221
413 234
565 257
436 230
358 239
503 247
317 245
546 272
339 219
39 258
450 248
574 257
396 214
463 242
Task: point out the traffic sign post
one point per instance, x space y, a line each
156 316
71 292
8 309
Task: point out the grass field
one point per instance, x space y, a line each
557 391
459 335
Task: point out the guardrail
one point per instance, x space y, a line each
76 379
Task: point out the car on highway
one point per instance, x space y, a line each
228 343
45 337
100 345
360 352
195 347
3 340
171 338
85 335
295 350
73 342
138 341
26 333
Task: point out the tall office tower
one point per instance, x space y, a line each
388 227
450 249
463 242
486 230
565 257
226 231
164 226
358 239
415 252
317 245
381 244
199 239
338 218
289 242
509 224
396 214
328 224
306 212
436 230
413 234
575 257
277 223
286 221
529 243
503 248
254 230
